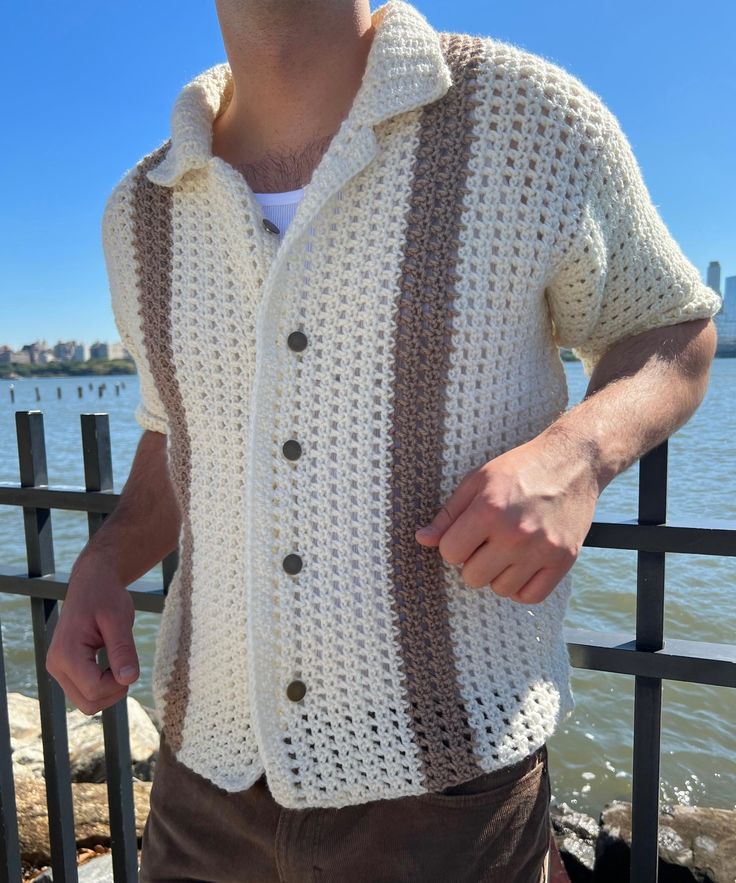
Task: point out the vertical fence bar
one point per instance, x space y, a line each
168 569
44 615
648 691
98 477
10 866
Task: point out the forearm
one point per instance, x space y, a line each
641 391
144 526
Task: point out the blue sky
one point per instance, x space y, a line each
89 89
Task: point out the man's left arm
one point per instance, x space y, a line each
518 522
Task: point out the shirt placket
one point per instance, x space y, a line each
351 150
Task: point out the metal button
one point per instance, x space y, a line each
296 691
292 449
270 226
292 563
297 341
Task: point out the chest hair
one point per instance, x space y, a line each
280 170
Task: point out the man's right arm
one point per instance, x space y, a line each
98 610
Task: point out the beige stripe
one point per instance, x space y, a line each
421 361
153 244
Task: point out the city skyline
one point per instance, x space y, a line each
40 352
724 285
100 111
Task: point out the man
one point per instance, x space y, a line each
344 696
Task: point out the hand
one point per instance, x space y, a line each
518 522
98 612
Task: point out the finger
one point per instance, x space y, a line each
514 578
469 533
486 565
79 666
538 587
459 500
88 706
120 646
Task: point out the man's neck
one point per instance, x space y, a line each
296 70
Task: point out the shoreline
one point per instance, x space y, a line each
125 368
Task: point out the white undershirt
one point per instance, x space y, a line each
280 207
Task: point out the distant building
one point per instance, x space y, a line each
34 350
713 278
99 350
45 357
71 351
725 319
116 350
81 352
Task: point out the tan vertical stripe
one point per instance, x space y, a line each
153 244
421 360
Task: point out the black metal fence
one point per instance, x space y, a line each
643 653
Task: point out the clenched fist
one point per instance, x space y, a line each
518 522
98 612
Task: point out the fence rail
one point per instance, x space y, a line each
642 653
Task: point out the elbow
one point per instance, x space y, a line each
695 357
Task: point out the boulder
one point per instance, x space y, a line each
86 742
575 835
87 745
91 817
96 870
25 719
695 844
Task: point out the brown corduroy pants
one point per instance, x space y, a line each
492 829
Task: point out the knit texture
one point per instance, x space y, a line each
478 208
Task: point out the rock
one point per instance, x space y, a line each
87 746
28 758
25 719
86 742
96 870
695 843
25 734
91 818
575 835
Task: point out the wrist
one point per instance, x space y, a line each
100 562
581 451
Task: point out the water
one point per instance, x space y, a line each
591 755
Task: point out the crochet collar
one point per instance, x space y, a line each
404 70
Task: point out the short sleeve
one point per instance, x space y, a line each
120 265
622 273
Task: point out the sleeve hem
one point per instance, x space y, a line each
591 357
146 420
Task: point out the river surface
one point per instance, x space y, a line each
591 753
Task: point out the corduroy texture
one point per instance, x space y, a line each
478 207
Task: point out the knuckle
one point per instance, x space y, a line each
51 664
449 552
489 508
564 552
529 532
87 707
90 691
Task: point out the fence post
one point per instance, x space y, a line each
650 573
98 477
45 614
9 845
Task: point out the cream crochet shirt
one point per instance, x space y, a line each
325 392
